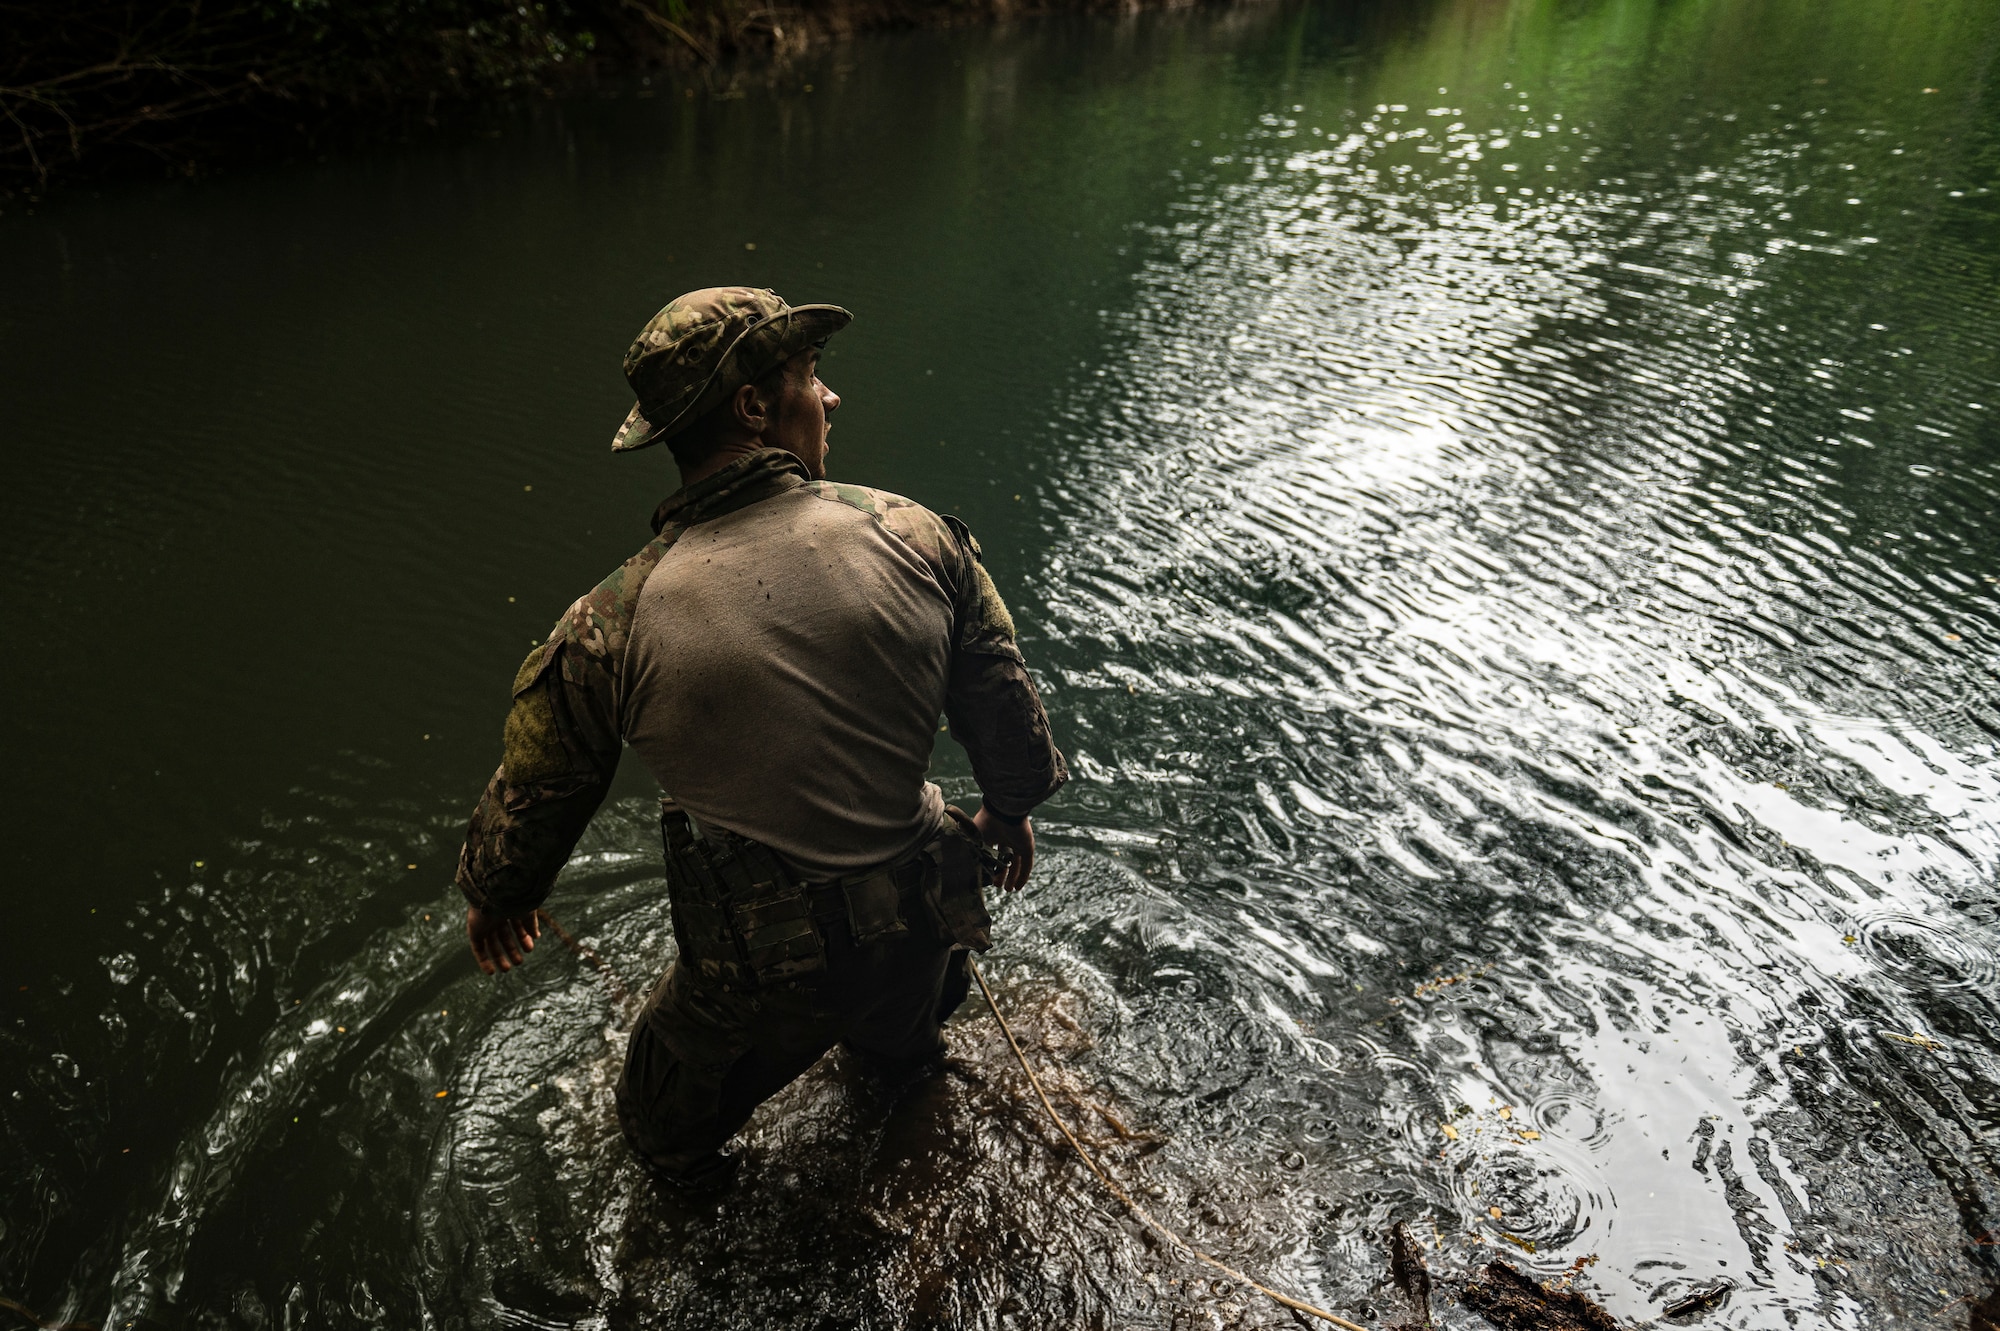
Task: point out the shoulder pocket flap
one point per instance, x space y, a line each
534 667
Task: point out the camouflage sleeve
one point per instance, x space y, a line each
560 747
557 760
991 703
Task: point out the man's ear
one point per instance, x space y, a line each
749 410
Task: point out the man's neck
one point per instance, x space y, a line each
731 451
746 478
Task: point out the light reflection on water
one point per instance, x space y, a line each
1485 578
1541 653
1515 591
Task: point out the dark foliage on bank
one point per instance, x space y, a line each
108 84
82 81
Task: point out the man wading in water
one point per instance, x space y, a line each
778 657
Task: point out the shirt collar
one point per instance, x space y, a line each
753 477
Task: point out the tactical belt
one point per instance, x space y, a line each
742 919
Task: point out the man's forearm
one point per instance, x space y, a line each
997 714
519 840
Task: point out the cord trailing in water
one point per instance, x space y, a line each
1139 1212
621 995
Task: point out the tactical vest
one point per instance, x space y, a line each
743 919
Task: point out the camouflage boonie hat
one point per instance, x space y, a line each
704 346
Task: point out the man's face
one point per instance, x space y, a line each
800 416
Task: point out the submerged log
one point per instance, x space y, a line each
1700 1300
1514 1302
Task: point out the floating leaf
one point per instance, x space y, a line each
1493 1211
1530 1135
1449 1131
1917 1038
1506 1112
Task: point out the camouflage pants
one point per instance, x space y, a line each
702 1058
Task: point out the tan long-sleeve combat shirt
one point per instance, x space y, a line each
778 657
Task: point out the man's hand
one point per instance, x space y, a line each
1017 839
498 941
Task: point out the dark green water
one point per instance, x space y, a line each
1501 501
